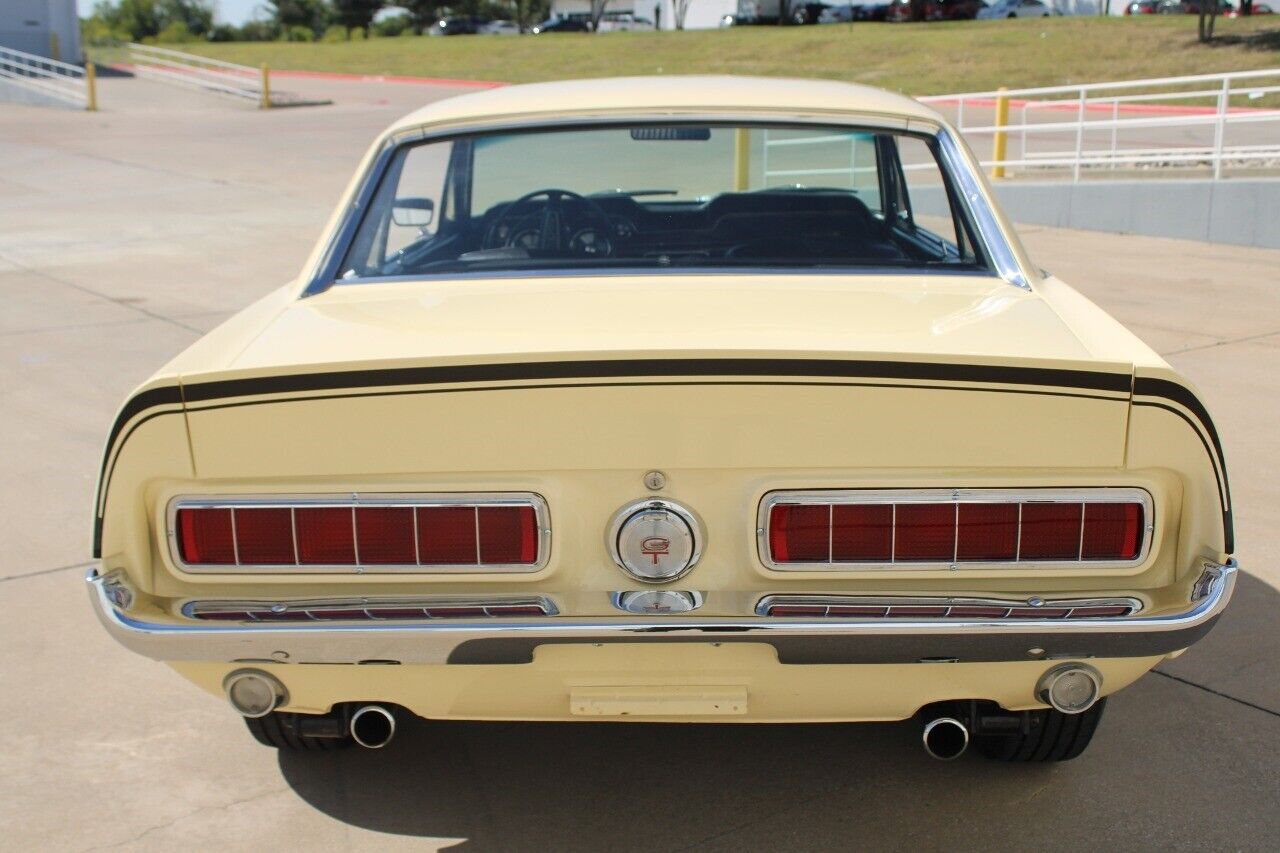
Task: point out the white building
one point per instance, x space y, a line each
700 15
43 27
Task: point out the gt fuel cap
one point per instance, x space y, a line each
655 540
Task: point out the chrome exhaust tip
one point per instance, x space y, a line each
372 726
945 738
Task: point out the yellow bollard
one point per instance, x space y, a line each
266 88
91 86
55 48
741 159
1001 138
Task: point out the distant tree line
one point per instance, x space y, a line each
292 20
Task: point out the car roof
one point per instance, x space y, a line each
660 94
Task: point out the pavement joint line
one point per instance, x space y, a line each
83 289
1228 696
8 333
39 572
1216 344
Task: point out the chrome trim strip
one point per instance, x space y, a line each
992 235
798 640
762 607
1102 494
541 511
194 608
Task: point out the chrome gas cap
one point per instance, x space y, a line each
655 540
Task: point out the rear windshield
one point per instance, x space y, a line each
648 196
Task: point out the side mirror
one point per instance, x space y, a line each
413 211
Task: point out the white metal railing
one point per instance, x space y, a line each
196 72
209 75
58 80
1126 124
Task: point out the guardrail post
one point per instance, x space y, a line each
1115 128
266 88
1220 126
91 87
741 160
1075 171
1001 141
55 48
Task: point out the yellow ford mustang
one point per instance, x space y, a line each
678 399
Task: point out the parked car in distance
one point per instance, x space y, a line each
752 12
459 26
956 10
1016 9
873 10
566 24
900 11
1234 11
1142 7
499 28
622 22
667 399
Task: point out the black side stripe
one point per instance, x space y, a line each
1180 394
622 368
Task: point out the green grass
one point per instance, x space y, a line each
919 59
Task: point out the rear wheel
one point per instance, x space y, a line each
283 731
1046 736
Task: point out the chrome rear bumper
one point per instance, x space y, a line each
797 641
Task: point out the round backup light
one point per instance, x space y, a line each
655 541
1071 688
254 693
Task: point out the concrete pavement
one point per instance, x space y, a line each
126 234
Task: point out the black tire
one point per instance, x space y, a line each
1051 736
280 730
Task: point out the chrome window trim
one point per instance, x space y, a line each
786 599
952 162
352 500
992 235
1101 494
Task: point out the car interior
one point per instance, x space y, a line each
868 222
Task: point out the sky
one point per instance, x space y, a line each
229 11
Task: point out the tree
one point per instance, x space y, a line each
1208 16
313 14
356 13
527 13
423 13
597 13
681 9
146 18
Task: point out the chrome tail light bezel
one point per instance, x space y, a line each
353 501
836 497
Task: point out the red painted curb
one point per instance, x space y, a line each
390 78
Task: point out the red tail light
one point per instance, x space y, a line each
874 528
402 533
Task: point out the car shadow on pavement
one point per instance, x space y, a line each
634 786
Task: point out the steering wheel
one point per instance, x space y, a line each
551 229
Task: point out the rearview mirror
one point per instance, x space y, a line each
413 211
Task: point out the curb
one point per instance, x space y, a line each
389 78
